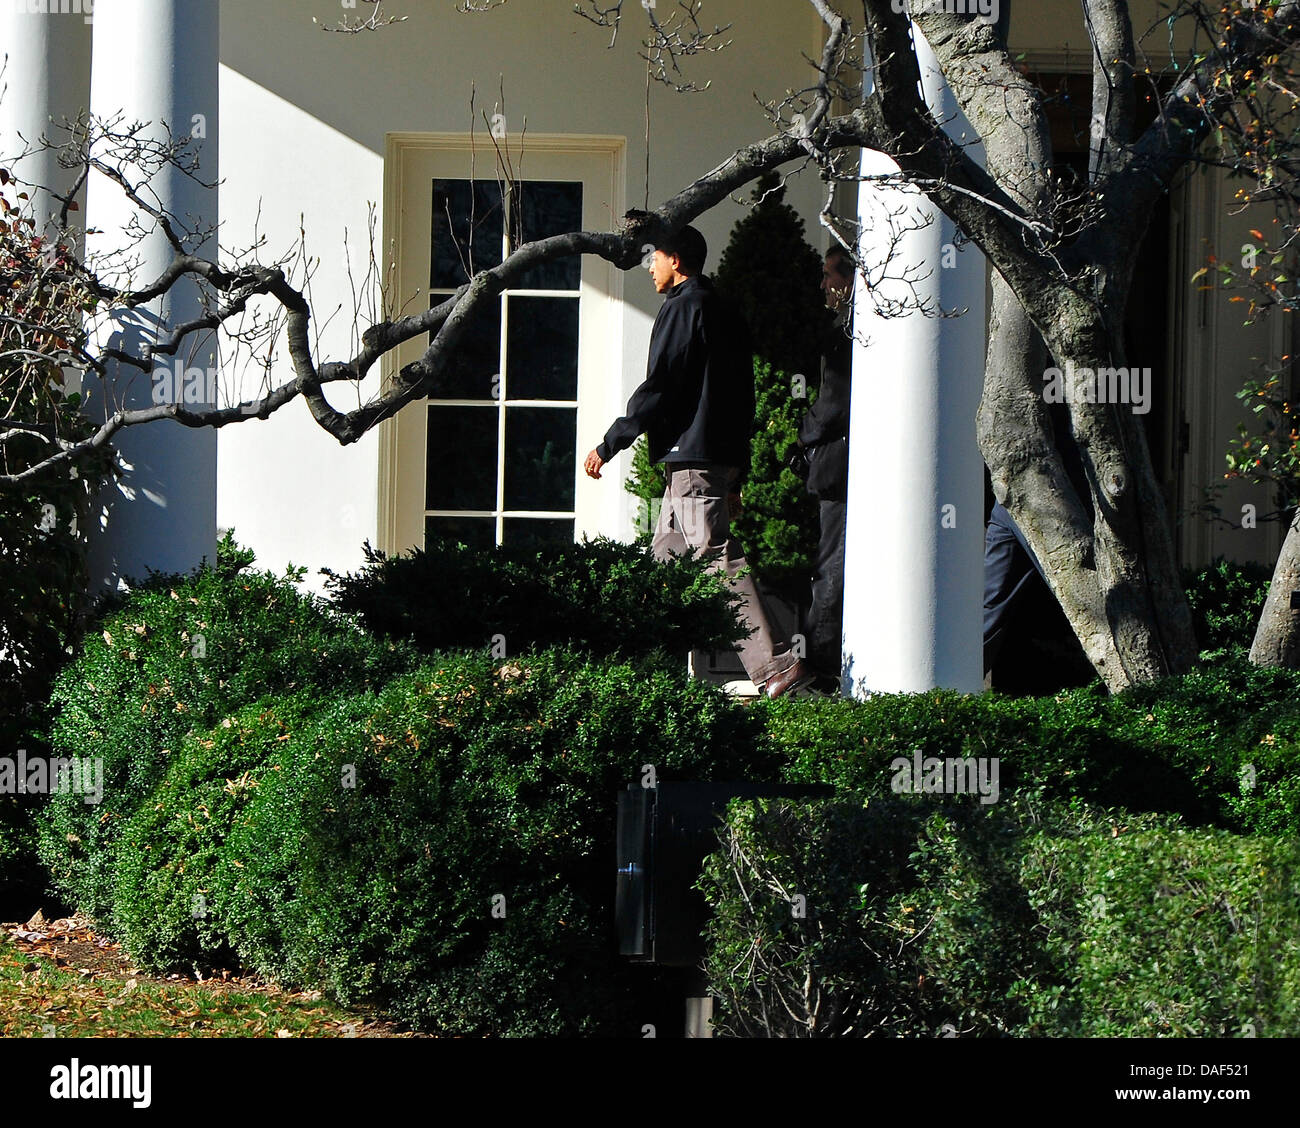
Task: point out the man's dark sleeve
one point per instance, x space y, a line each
812 427
669 345
828 418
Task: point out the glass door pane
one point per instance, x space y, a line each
542 208
536 532
541 448
468 226
461 461
542 348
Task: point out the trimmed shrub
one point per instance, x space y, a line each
928 917
178 891
601 597
436 836
790 952
1177 933
507 792
1219 745
931 914
1231 730
1226 601
1268 782
911 918
364 846
175 657
778 522
773 276
1073 745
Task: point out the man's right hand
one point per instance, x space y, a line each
796 457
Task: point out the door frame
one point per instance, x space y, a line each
402 450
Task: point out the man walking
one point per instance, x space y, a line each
824 436
696 408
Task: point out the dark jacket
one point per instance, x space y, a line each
697 402
824 429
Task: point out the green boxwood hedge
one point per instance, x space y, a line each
1188 933
1220 745
364 844
324 808
938 915
176 657
601 597
921 916
1226 599
287 791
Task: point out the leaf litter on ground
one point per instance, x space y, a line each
61 978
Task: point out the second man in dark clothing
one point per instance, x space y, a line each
824 437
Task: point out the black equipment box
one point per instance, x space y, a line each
664 834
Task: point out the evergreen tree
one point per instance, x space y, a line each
773 277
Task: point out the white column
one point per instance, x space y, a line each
46 58
156 61
913 578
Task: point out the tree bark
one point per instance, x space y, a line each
1110 558
1277 638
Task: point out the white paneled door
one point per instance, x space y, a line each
492 457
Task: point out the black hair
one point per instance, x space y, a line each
841 258
689 247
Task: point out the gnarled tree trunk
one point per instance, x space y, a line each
1277 638
1109 558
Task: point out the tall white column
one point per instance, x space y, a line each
46 57
156 61
913 578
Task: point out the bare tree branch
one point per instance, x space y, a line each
377 20
678 37
1113 96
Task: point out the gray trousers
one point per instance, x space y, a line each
695 514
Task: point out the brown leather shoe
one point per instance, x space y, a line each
796 677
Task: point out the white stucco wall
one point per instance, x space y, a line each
286 486
305 115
